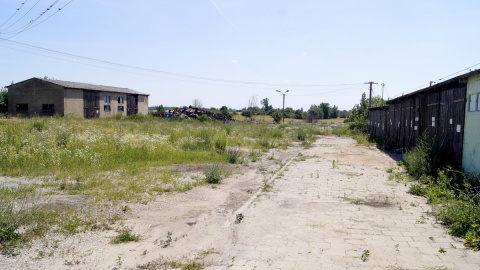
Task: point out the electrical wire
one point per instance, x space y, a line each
173 73
425 85
138 73
15 13
1 31
59 9
26 26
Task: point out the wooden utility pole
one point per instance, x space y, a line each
371 89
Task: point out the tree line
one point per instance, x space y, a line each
315 112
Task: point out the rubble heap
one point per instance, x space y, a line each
194 113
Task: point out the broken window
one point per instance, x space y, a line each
107 108
120 100
106 99
48 107
22 107
121 108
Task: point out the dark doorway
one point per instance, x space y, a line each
132 104
91 103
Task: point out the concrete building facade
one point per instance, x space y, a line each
46 97
471 141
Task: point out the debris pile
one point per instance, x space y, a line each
195 113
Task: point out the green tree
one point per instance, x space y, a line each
267 108
247 114
299 114
160 109
289 112
358 118
277 116
314 113
325 107
224 110
3 100
334 112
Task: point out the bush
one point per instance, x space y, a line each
125 236
213 175
38 126
277 116
418 189
417 161
203 118
233 155
8 232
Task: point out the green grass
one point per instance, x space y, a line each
110 162
454 196
125 236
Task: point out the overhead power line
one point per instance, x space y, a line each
11 25
15 13
168 73
442 78
35 25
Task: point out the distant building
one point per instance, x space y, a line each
45 97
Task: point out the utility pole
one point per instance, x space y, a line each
283 110
371 89
383 87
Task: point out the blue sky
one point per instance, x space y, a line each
322 51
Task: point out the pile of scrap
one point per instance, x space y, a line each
195 113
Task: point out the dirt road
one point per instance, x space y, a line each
328 207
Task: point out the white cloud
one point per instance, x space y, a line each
234 61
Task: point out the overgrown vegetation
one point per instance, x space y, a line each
124 236
3 101
454 196
104 163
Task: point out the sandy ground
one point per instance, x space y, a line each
327 206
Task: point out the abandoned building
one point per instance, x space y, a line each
447 112
46 97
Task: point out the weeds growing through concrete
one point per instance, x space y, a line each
239 217
124 236
365 255
168 240
213 174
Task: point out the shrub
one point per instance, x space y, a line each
8 232
301 135
277 116
125 236
472 238
418 189
38 126
233 155
213 175
203 118
417 160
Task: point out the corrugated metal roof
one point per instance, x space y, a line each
87 86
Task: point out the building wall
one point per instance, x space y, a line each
471 142
36 93
143 104
73 102
439 113
112 108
